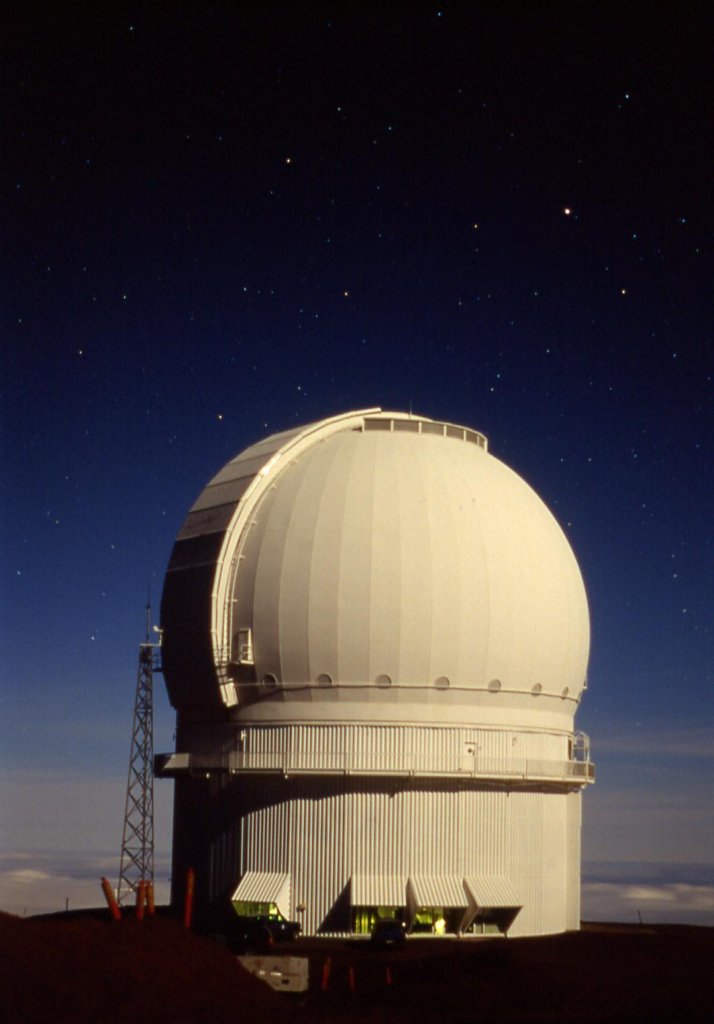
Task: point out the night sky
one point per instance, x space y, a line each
221 221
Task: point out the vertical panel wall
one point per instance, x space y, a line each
525 858
573 858
324 831
389 748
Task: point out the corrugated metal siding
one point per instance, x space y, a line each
525 860
320 851
492 891
323 836
438 891
265 887
377 748
555 859
573 857
378 891
540 867
323 832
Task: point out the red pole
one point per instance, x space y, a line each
351 978
111 902
150 908
188 899
326 974
140 897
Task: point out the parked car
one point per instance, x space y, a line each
389 932
261 933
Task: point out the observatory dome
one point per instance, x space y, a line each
382 557
375 635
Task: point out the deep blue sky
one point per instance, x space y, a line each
224 220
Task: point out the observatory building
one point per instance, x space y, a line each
375 638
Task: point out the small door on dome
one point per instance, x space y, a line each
468 758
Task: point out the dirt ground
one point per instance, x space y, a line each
85 968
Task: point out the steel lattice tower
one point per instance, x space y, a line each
137 848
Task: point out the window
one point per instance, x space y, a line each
243 640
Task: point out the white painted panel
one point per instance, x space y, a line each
352 658
385 609
268 597
416 560
469 576
292 578
323 516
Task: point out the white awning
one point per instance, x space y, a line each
438 891
378 891
265 887
491 891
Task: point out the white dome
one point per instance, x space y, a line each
376 636
387 551
413 556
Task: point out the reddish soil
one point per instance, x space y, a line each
86 968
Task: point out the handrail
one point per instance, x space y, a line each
355 763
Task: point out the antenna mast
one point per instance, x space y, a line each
137 847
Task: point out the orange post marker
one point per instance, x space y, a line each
111 902
326 968
140 898
188 898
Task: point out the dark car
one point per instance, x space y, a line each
261 933
389 932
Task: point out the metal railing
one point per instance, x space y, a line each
356 763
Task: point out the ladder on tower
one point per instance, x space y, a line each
137 847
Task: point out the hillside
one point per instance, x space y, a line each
86 968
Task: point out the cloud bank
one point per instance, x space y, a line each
652 893
45 883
